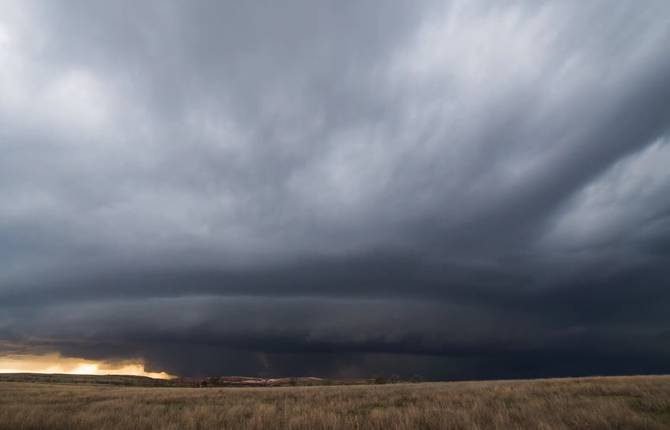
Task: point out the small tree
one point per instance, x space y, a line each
380 380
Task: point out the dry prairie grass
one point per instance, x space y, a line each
588 403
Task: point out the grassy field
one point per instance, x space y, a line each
586 403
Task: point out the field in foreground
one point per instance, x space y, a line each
583 403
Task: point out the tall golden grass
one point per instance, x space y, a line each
588 403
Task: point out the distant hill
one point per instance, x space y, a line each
250 381
56 378
214 381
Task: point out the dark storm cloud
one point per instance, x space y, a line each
454 190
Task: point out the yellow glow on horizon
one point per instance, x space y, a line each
54 363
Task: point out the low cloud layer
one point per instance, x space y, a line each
459 190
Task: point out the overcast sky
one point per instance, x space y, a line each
449 189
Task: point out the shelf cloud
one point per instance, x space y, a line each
448 189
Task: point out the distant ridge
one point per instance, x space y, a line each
214 381
60 378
